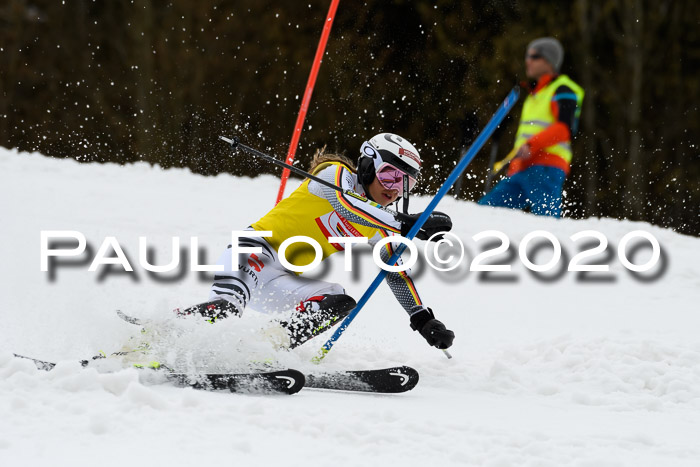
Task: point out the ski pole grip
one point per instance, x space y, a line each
232 141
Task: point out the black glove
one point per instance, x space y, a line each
436 222
423 320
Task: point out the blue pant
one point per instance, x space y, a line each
538 187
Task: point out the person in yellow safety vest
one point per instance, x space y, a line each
542 146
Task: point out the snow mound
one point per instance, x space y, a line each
551 369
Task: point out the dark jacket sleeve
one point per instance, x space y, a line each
564 106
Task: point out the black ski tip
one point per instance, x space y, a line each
406 376
294 381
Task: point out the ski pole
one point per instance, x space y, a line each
503 163
492 160
485 134
236 144
497 168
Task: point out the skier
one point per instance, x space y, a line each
320 212
542 150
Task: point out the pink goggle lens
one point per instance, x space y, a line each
391 178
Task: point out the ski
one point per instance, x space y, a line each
271 382
283 382
387 380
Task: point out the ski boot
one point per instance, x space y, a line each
211 310
315 316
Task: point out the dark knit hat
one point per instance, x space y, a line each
550 49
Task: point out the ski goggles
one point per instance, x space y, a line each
391 178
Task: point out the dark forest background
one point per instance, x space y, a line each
158 81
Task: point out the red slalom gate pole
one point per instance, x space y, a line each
307 96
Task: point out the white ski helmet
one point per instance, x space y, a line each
388 149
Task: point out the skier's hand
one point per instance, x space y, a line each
423 320
524 152
436 222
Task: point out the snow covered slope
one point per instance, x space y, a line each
548 370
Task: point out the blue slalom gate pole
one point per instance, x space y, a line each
485 134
